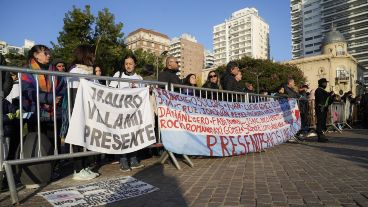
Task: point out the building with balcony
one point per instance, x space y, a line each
5 48
209 59
340 68
148 40
312 19
189 53
245 33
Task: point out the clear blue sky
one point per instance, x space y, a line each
42 20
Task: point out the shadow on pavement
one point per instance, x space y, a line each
355 139
169 193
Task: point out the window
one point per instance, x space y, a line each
309 45
309 38
310 52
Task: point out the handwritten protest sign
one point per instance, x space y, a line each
196 126
111 120
100 193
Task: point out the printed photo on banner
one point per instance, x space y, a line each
196 126
111 120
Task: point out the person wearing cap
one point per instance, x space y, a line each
322 100
364 107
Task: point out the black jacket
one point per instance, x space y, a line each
229 83
169 76
7 83
210 85
290 92
364 103
322 98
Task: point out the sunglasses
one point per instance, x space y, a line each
47 53
60 66
213 76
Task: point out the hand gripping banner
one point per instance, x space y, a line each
195 126
111 120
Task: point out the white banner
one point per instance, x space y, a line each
111 120
196 126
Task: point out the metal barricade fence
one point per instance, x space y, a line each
338 116
39 157
220 95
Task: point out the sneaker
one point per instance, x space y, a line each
83 175
124 166
91 172
134 164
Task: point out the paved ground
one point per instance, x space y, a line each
308 174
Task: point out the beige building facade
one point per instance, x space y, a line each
189 53
148 40
335 64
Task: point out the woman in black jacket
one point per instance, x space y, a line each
212 82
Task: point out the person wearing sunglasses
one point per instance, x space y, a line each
212 81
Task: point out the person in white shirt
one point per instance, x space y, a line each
127 71
84 57
128 161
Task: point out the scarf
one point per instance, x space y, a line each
44 81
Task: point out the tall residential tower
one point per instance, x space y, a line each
245 33
312 19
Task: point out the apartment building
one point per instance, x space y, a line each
209 59
6 48
312 19
245 33
148 40
189 53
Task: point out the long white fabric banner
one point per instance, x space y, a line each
111 120
196 126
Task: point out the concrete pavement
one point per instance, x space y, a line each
291 174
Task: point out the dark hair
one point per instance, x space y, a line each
36 48
279 88
187 80
231 65
84 54
208 75
94 69
121 66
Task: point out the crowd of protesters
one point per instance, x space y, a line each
84 63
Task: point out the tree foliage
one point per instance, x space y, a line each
77 30
82 27
270 74
17 60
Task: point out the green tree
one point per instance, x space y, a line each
270 74
17 60
109 41
147 58
77 30
81 27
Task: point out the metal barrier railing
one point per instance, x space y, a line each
220 95
57 155
338 116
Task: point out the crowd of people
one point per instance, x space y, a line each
40 87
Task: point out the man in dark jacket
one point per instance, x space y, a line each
322 100
169 73
228 80
364 107
289 89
